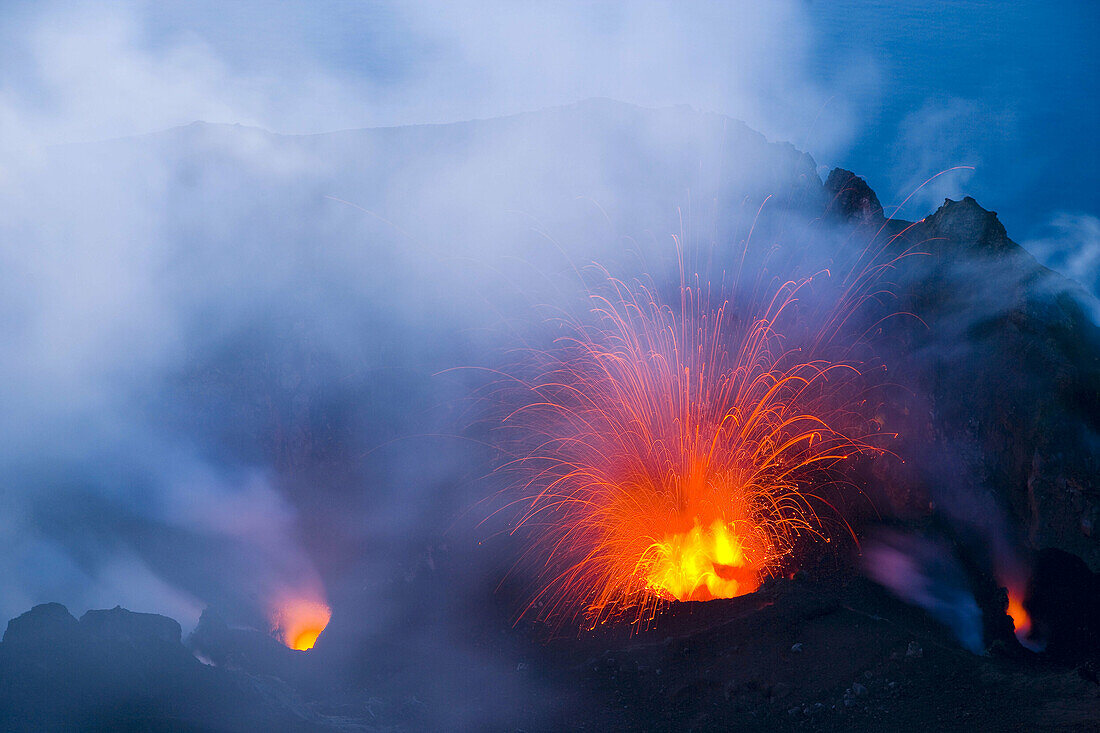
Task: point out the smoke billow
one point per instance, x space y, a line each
209 328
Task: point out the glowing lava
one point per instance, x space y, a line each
672 453
702 564
298 622
1021 620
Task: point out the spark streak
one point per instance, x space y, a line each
673 450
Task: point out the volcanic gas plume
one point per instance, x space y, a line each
678 450
297 620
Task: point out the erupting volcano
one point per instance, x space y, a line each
678 452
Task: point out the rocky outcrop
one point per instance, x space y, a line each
851 198
966 223
119 670
47 622
247 650
120 625
999 415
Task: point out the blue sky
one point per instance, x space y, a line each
1007 87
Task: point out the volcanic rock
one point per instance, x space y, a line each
1065 606
119 670
852 198
118 625
998 408
47 623
967 224
241 648
860 680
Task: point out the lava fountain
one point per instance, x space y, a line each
674 452
298 621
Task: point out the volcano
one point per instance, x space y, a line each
978 513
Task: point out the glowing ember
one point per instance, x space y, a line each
669 452
298 622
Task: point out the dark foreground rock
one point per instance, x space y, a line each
118 670
832 654
863 662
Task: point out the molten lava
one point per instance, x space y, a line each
671 453
702 564
297 622
1021 619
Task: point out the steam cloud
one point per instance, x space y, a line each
136 269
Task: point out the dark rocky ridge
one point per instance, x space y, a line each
118 670
828 655
1004 375
852 198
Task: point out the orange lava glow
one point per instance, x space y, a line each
298 622
1020 618
673 451
701 564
